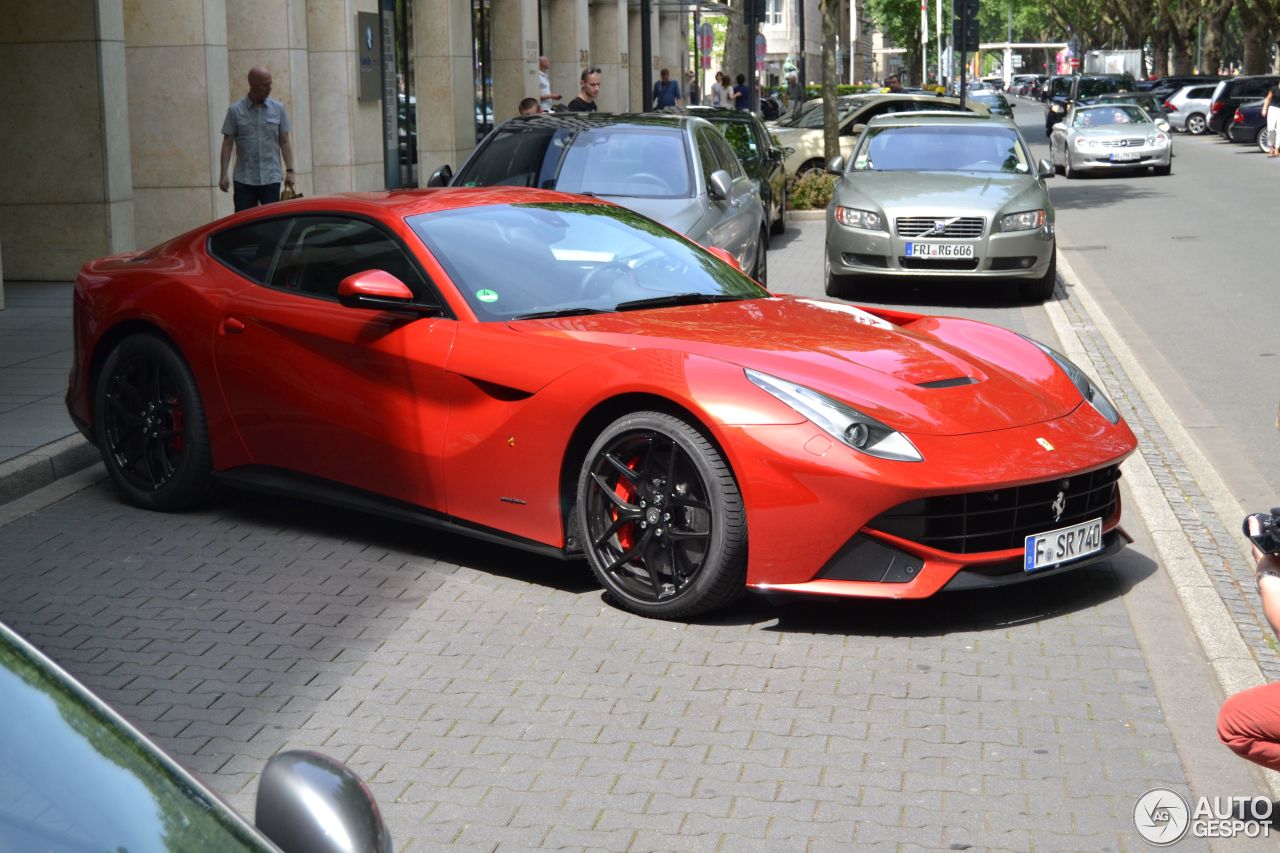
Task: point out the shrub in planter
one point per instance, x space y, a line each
811 192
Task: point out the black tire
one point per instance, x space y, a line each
650 559
1067 172
780 225
1162 170
1196 124
835 285
760 269
149 425
1041 289
811 166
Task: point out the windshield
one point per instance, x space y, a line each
614 160
1112 115
941 148
1092 87
994 103
516 260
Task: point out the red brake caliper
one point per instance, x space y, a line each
627 492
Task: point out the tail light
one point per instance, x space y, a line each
1216 106
1169 107
1238 118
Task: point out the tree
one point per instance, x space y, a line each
830 76
900 20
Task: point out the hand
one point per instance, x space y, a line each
224 183
288 178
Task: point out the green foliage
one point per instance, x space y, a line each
811 192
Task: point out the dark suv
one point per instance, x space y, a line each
1068 91
1233 92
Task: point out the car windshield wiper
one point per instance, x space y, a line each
677 299
558 312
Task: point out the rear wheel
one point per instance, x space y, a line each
1041 289
810 167
149 424
1263 140
1196 124
662 519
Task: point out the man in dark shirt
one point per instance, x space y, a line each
666 92
587 94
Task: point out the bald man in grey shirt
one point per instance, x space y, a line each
258 127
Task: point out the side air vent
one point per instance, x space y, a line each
949 383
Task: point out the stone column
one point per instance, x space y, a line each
671 50
623 91
445 83
66 185
607 48
344 138
515 55
570 49
635 70
273 33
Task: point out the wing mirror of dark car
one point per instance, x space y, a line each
720 185
310 803
858 128
835 166
441 177
726 256
775 155
1046 169
381 291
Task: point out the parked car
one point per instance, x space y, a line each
935 194
1106 137
995 103
1057 85
1082 89
1188 108
677 169
1165 87
1231 93
1153 107
562 374
77 776
760 156
1249 125
804 147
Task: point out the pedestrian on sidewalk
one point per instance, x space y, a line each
545 95
257 127
587 94
666 92
692 86
1249 722
1273 119
718 98
741 94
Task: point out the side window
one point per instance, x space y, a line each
249 249
1256 88
707 154
728 160
323 250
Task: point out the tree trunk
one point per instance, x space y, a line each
735 43
1211 46
1257 42
1160 51
1183 52
830 9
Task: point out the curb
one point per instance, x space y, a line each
806 215
43 465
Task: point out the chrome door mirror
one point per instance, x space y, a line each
441 177
1046 169
720 185
835 166
311 803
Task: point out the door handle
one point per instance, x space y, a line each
232 326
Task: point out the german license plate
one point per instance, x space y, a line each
1125 156
939 250
1062 545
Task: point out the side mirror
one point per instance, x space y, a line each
1046 169
309 802
858 128
725 256
720 185
1163 125
441 177
1011 106
835 166
380 291
775 155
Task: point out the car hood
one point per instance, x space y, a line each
935 193
924 380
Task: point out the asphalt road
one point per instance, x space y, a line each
1183 267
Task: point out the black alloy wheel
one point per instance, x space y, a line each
149 425
663 524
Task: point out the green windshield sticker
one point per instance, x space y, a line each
487 295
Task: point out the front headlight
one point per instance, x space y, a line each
1158 139
1092 393
1057 108
1085 144
847 425
1024 221
855 218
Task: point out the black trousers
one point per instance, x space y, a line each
249 195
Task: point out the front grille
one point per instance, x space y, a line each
1131 142
1000 519
964 228
939 264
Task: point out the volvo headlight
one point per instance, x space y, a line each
1024 221
855 218
1092 393
844 423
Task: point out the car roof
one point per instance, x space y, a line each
936 118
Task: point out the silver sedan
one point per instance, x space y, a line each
1109 136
